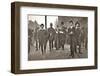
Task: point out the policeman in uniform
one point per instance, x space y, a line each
51 32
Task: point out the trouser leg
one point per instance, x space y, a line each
72 48
45 45
63 43
36 45
80 49
56 44
63 47
50 45
75 48
28 48
41 46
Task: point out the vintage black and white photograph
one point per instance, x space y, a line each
57 37
52 37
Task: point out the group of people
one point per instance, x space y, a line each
75 38
57 37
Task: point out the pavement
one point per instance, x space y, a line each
55 54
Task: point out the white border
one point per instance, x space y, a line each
25 64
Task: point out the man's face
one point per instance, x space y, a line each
62 24
42 27
71 23
77 25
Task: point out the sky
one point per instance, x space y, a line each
41 19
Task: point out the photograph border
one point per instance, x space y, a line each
15 37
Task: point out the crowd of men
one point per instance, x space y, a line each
57 37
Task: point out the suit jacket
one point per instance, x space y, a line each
71 32
62 34
78 33
51 33
42 35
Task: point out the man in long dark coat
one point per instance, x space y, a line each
78 36
71 32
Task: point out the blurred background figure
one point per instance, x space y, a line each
84 37
30 35
36 38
